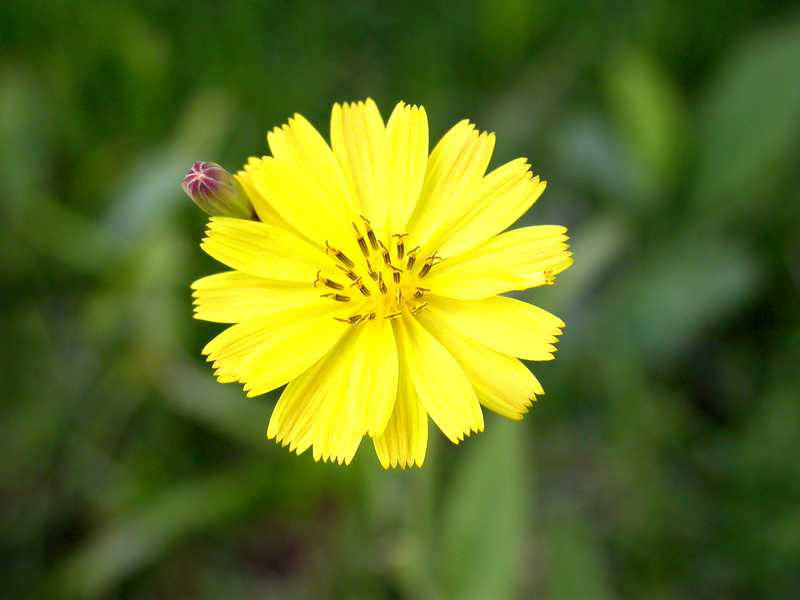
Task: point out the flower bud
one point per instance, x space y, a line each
215 191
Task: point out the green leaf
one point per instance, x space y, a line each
577 569
138 539
649 113
142 537
589 149
24 144
195 393
150 189
751 123
483 524
677 292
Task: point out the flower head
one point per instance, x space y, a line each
372 284
215 191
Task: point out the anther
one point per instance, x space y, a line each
351 320
327 282
398 296
412 257
361 243
396 273
400 244
382 284
418 307
372 272
420 291
393 315
340 256
361 287
549 277
373 241
352 276
332 284
429 262
426 267
385 253
337 297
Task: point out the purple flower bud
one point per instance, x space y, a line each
215 191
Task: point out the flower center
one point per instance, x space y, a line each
381 283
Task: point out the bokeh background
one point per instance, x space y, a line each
663 461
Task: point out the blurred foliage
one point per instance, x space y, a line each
660 464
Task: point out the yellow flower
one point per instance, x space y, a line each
371 285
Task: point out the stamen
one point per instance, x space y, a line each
327 282
348 272
337 297
356 319
418 307
340 256
361 243
372 272
385 253
412 257
333 284
391 297
429 262
400 244
351 320
366 317
373 241
396 272
426 267
361 287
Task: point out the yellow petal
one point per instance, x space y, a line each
267 352
298 199
405 438
503 324
234 297
441 385
265 211
406 158
502 383
373 380
293 421
261 250
514 260
299 144
337 430
496 203
357 138
312 411
455 168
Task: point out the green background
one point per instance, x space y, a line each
663 461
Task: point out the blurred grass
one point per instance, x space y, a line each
660 462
